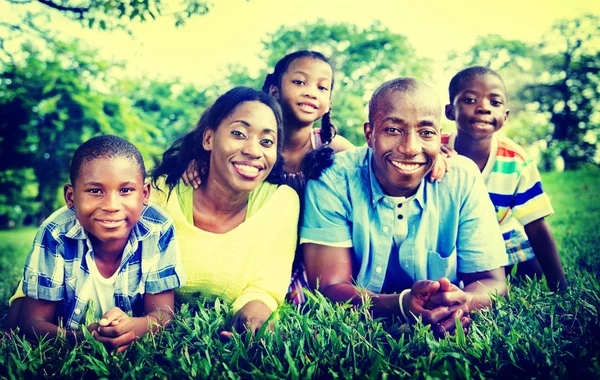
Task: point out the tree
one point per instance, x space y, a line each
48 107
34 16
569 87
362 59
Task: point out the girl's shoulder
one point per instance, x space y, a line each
340 144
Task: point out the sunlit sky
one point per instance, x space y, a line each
232 30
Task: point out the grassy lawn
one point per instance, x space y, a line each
531 333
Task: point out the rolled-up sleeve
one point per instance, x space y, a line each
480 244
325 216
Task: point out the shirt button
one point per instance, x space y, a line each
32 277
378 270
385 229
399 205
78 311
400 216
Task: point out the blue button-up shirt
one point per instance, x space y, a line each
57 270
452 227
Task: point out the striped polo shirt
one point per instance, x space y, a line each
515 188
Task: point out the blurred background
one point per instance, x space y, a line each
146 69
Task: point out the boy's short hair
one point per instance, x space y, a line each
466 74
105 146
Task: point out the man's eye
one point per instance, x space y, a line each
469 100
496 103
428 133
391 130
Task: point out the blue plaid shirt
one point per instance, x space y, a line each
452 227
57 270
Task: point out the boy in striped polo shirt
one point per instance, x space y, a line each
478 106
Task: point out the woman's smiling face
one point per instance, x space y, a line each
243 148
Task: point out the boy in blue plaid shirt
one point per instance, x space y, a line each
107 246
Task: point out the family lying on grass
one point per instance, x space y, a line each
226 200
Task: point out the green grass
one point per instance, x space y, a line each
531 333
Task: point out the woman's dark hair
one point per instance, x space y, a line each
328 130
177 158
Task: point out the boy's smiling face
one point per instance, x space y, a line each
108 196
479 107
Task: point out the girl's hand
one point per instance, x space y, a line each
115 330
191 176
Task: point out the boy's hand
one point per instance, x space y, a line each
441 166
190 176
115 330
448 152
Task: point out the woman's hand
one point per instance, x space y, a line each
249 318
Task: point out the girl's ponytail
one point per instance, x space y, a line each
328 130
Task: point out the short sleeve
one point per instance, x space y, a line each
480 246
168 272
43 276
326 213
530 202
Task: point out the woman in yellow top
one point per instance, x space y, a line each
237 230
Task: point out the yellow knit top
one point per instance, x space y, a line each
251 262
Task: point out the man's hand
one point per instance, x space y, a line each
115 330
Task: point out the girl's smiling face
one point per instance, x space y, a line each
243 148
305 90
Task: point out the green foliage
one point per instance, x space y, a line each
558 78
362 60
49 105
530 333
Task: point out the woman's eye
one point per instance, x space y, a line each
238 134
127 190
267 142
94 191
298 82
323 88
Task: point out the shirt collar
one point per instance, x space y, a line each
377 193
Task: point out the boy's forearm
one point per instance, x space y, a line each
543 245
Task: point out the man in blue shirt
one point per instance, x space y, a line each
373 225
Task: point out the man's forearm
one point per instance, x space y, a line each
382 305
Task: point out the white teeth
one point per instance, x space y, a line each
406 167
307 106
247 168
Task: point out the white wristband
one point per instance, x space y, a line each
401 304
